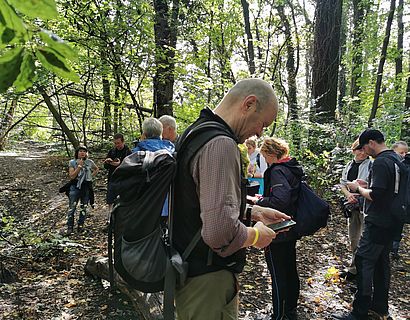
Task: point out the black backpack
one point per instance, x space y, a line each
143 252
312 212
400 207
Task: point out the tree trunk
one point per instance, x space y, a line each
251 52
107 107
59 119
399 57
147 306
405 126
165 29
209 58
224 59
326 59
7 118
342 71
291 72
381 64
357 58
117 112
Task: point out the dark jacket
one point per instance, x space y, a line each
114 153
281 189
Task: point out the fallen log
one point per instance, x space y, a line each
148 306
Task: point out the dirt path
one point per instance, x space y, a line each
49 269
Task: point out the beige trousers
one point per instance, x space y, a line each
355 228
211 296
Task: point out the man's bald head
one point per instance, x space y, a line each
256 87
248 107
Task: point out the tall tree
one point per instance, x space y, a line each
248 32
357 51
5 121
57 116
342 72
405 126
291 77
382 60
326 58
400 34
165 27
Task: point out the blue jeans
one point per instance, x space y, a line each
75 195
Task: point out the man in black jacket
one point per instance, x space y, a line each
372 257
114 158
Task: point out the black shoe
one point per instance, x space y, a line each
69 231
347 275
377 316
291 315
347 316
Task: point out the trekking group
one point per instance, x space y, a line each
209 219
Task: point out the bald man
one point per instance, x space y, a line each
209 197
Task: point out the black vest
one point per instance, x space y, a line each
187 221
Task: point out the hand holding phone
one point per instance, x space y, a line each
282 225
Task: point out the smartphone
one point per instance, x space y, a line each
282 225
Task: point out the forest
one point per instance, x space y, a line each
75 72
78 71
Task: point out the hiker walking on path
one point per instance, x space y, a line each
358 168
113 159
210 196
81 170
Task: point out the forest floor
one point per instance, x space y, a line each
44 271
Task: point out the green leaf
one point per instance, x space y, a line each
9 18
57 64
44 9
7 35
27 74
58 45
10 64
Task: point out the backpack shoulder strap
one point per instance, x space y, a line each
199 135
399 168
202 133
